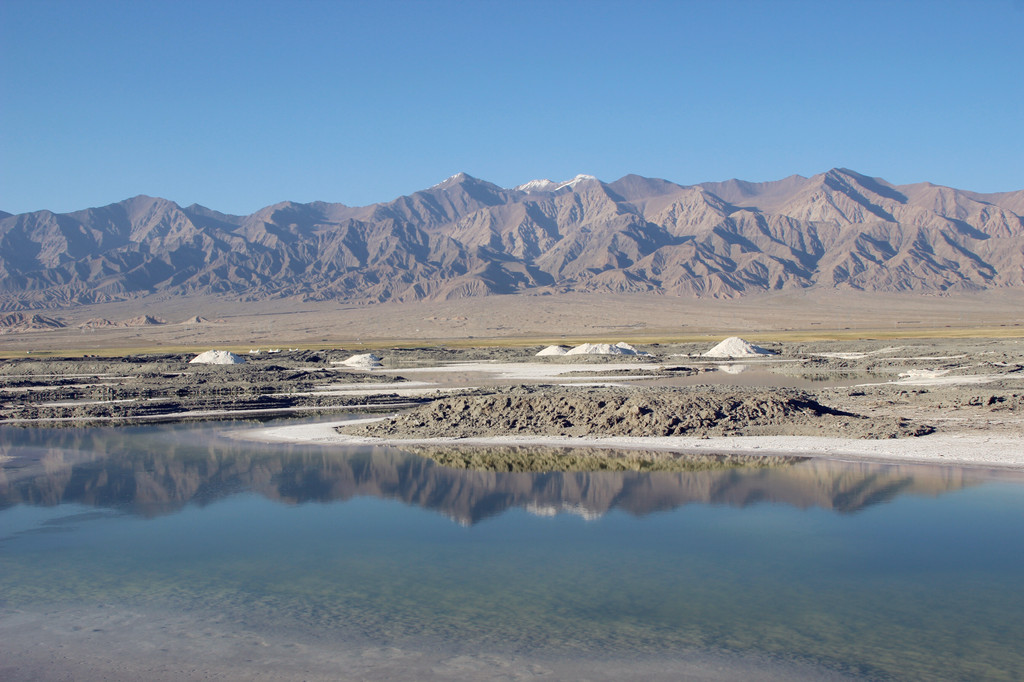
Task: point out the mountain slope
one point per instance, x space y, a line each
467 237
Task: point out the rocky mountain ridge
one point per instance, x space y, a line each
468 237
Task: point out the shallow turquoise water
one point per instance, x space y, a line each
872 571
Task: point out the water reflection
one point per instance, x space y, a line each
732 369
157 470
919 588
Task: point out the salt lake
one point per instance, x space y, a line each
172 552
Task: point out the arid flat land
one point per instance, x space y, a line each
519 320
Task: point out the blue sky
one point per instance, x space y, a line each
238 105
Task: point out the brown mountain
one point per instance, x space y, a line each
467 237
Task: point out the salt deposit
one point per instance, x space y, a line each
971 449
924 373
553 350
859 355
363 361
735 347
217 357
620 348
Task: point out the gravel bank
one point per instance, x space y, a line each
635 411
48 391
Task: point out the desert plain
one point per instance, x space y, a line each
882 377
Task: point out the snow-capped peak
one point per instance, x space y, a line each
537 186
575 181
548 186
458 177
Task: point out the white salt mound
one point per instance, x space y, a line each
217 357
629 350
735 347
620 348
363 361
553 350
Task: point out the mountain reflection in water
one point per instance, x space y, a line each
157 470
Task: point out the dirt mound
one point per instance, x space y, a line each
560 411
142 321
97 323
104 323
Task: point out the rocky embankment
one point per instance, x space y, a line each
155 387
635 411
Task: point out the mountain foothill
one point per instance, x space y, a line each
466 237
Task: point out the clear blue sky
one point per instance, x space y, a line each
237 105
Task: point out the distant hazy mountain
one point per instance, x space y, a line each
467 237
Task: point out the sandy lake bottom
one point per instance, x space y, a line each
169 552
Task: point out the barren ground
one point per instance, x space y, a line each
520 321
856 390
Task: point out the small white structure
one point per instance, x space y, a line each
553 350
217 357
363 361
735 347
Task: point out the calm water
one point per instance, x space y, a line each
124 541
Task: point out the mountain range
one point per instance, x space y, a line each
467 237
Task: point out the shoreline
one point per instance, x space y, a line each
945 402
974 450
